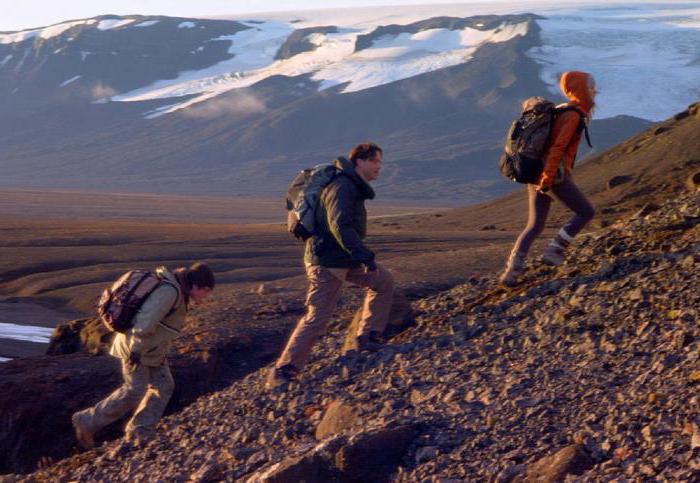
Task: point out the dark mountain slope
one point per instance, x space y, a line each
441 130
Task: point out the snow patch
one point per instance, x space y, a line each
186 25
158 111
72 79
5 359
84 54
18 36
147 23
252 49
6 60
630 54
114 23
334 62
25 332
45 33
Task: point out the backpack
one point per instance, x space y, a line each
303 196
119 303
527 139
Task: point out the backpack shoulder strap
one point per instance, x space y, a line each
178 300
583 126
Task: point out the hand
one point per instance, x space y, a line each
134 361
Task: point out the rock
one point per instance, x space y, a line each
426 453
339 417
366 456
510 473
370 455
693 181
209 472
572 460
647 209
315 466
618 180
87 334
682 115
695 439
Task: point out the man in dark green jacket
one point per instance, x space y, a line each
337 253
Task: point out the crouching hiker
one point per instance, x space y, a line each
555 179
335 253
147 310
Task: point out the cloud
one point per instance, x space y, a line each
238 104
102 91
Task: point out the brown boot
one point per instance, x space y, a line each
279 378
514 268
85 437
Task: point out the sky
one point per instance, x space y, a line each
25 14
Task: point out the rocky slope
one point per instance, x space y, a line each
590 370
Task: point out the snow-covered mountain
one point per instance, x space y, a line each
235 106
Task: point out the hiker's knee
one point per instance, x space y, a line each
587 212
133 393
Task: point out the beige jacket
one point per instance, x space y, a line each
154 330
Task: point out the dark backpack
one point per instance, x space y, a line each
119 303
526 141
303 196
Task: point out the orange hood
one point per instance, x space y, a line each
574 85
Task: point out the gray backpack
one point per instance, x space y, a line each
303 196
526 141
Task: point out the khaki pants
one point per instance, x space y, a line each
146 388
325 285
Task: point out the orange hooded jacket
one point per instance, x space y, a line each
565 136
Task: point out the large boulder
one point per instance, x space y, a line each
338 417
86 334
571 460
370 455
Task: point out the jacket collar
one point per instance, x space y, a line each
348 169
179 279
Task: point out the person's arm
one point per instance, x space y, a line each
563 132
153 310
339 205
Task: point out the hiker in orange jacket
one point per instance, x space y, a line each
556 179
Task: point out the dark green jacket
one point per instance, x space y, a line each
341 222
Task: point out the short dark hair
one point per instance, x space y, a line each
200 274
364 151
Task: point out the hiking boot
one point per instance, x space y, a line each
553 255
371 342
120 450
139 437
279 377
515 266
85 437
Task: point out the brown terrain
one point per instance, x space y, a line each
598 359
